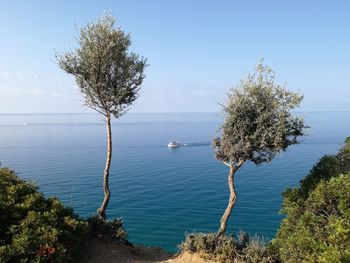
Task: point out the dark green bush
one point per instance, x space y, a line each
110 228
344 156
227 248
327 167
34 228
317 223
319 229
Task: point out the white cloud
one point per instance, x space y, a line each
20 76
23 76
20 83
55 94
35 91
32 74
14 91
4 75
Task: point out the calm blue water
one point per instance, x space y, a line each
160 193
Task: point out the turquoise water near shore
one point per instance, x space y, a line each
160 193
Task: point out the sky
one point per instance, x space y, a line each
196 49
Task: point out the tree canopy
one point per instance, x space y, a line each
259 122
108 75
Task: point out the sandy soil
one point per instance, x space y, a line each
188 258
100 249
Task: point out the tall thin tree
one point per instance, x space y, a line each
259 123
109 77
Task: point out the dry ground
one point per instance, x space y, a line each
102 250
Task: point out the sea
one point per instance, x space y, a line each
161 194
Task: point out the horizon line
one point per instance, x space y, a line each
148 112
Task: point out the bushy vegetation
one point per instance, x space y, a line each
209 247
317 223
319 229
112 229
34 228
327 167
226 248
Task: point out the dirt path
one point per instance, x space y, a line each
102 250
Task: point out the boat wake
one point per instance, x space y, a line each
176 144
197 144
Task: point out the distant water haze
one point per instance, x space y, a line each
161 193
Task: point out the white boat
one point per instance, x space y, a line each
174 144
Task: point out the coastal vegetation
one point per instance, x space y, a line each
228 248
319 229
38 229
109 77
34 228
317 223
259 124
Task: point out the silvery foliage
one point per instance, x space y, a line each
259 121
108 75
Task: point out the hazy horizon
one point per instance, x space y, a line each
155 112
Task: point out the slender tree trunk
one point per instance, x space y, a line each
102 209
231 202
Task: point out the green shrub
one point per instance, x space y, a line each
112 228
227 248
34 228
327 167
209 247
319 229
344 156
256 251
308 234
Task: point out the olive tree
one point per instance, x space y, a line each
108 74
258 124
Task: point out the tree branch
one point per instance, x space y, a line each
226 163
240 163
95 109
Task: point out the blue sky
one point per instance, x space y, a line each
197 50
